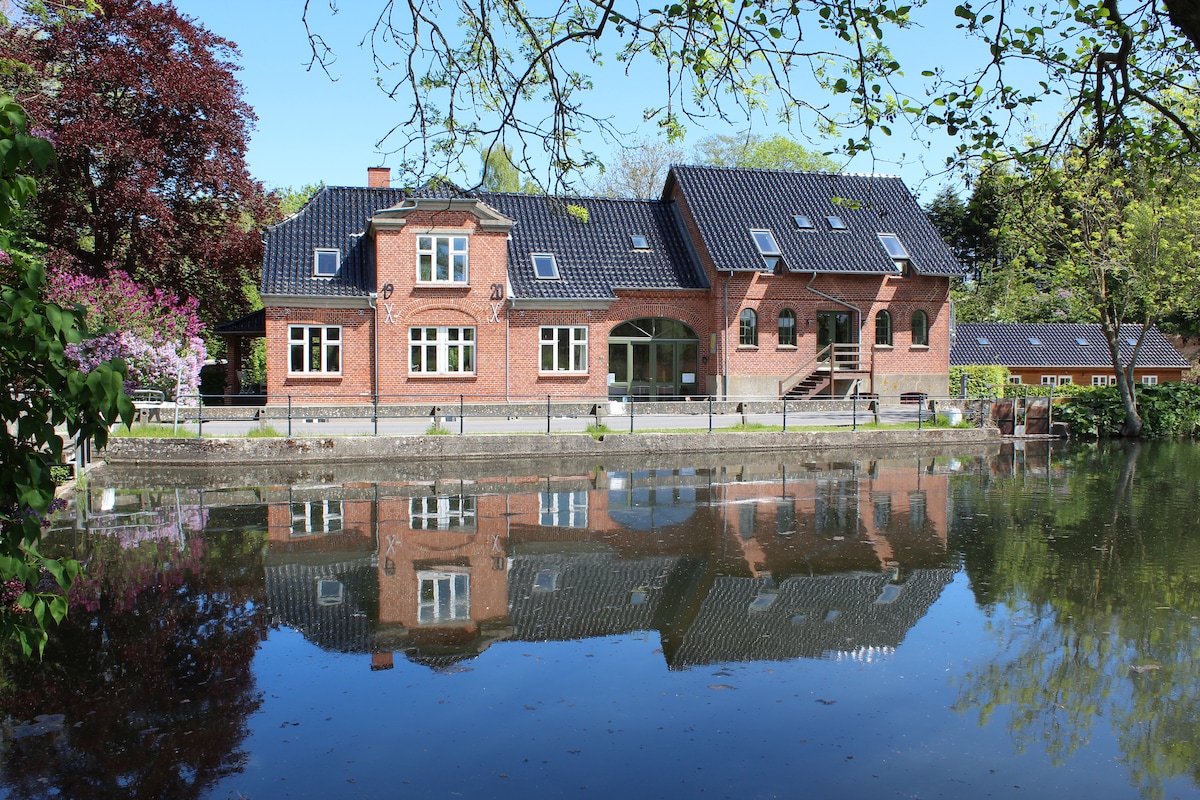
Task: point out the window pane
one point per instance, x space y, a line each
333 360
425 264
547 357
579 360
297 361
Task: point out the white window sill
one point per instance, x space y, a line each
884 347
919 347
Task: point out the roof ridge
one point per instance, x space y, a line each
770 171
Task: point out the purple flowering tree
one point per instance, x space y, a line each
156 333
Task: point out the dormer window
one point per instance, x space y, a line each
895 248
803 222
545 266
768 248
836 223
326 263
639 242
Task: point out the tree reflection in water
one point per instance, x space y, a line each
1096 590
150 672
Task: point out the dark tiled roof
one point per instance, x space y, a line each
597 257
336 217
341 628
809 617
728 203
1058 345
593 259
253 324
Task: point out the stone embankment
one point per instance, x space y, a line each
349 449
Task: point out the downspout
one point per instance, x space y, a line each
371 298
725 338
507 359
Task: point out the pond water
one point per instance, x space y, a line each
945 623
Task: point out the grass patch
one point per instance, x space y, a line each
152 431
263 431
597 430
437 429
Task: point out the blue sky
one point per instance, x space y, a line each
311 128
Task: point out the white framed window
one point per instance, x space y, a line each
748 328
441 513
787 328
1149 380
1100 380
442 259
1014 379
768 248
563 509
441 350
1049 380
326 263
1063 380
564 349
895 248
315 349
545 266
443 596
316 516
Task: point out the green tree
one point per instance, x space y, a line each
44 394
501 174
1115 240
751 151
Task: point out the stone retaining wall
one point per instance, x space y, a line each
168 452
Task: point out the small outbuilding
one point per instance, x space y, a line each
1052 354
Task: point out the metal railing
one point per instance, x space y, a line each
325 415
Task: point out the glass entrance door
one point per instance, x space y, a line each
834 327
652 358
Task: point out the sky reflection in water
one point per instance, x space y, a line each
907 623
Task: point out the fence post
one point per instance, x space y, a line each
547 415
631 399
375 413
460 415
854 412
920 412
289 397
710 402
785 413
199 416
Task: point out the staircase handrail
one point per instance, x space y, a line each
822 355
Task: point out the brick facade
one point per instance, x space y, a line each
507 347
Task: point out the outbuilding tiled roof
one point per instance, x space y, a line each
596 257
1055 344
729 203
336 217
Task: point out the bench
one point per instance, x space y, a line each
148 404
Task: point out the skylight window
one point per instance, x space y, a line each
803 221
326 263
1081 342
836 223
895 248
639 242
768 248
981 340
1131 342
1034 342
545 266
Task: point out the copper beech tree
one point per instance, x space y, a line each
147 118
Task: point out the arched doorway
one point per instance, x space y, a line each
653 357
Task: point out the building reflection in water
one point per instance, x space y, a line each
726 564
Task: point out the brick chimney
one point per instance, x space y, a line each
379 177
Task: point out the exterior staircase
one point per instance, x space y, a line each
843 361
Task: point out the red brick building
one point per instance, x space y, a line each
734 284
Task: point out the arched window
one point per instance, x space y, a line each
787 328
748 328
883 328
920 328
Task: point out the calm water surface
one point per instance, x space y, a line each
976 623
